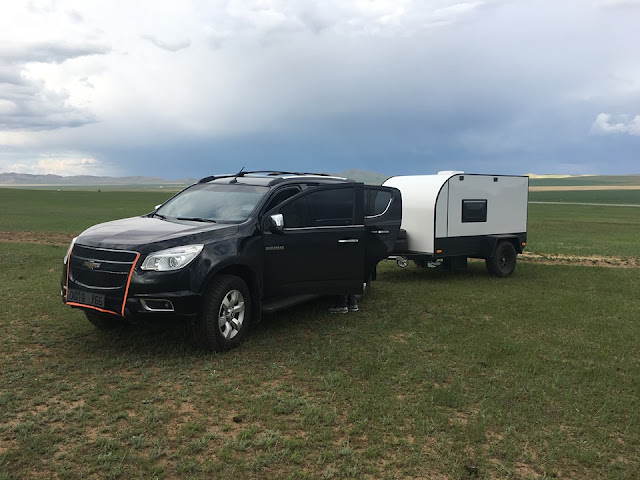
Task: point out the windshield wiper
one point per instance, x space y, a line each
154 214
196 219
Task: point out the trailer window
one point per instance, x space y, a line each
474 211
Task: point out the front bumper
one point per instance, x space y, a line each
156 304
123 288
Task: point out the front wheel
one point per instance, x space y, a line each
503 262
225 315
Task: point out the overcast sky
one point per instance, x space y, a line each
191 88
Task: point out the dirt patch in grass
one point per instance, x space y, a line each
8 444
39 238
589 261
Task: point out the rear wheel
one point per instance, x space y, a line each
104 321
503 262
225 316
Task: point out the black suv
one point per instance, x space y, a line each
229 247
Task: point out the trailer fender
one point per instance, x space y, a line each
494 240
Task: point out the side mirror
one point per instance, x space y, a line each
157 206
276 223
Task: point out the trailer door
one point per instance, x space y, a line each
383 215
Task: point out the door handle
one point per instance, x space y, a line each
380 232
348 240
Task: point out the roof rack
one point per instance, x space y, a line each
266 173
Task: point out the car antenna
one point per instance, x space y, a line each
235 179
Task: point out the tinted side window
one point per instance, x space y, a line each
376 202
323 208
281 196
474 211
332 207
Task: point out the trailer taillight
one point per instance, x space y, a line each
524 243
438 251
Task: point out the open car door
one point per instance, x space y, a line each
320 248
382 219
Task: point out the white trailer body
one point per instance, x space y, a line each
454 214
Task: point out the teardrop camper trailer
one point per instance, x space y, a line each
452 216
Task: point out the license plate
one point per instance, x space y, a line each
85 298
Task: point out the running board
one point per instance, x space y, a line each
272 306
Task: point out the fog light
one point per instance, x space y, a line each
157 305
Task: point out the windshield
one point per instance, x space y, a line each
219 203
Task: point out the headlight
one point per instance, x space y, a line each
66 256
171 259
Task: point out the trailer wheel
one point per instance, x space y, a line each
503 262
421 262
225 316
426 262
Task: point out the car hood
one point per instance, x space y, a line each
138 232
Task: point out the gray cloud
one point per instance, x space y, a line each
607 124
619 3
169 46
267 20
397 86
28 105
48 52
25 102
75 16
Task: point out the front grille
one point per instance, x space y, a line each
99 268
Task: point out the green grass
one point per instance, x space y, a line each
613 180
622 197
437 376
149 188
69 211
584 230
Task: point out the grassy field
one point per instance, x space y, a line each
439 375
619 197
584 230
610 180
68 211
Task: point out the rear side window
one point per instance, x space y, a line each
324 208
474 211
376 202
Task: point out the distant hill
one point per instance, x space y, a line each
372 178
26 179
13 178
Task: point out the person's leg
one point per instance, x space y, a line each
340 305
352 303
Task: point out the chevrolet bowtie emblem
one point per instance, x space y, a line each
91 265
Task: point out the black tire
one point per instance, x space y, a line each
225 315
503 262
426 262
421 262
104 321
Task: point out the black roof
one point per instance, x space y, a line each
268 178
